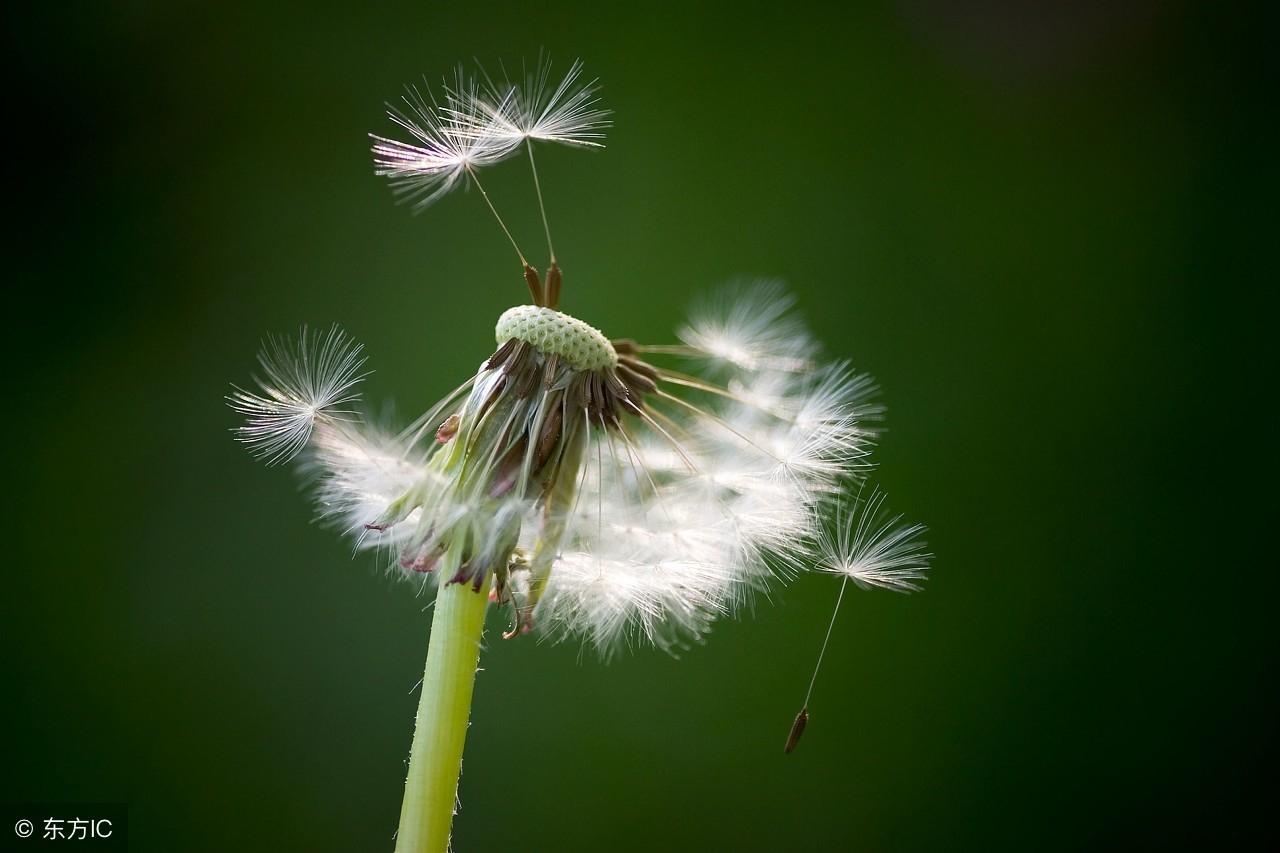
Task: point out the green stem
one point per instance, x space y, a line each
435 759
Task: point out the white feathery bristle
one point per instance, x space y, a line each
872 549
450 143
565 114
303 383
812 426
839 394
468 128
613 600
362 471
750 328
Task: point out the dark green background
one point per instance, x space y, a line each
1050 235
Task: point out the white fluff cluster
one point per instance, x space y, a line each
686 514
678 516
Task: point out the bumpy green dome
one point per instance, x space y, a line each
551 332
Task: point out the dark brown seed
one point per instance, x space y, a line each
797 729
616 386
553 285
535 286
549 374
519 358
646 370
528 382
597 392
584 390
504 352
637 385
548 438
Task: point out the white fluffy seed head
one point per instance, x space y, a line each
615 499
701 497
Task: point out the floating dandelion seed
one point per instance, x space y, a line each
300 387
872 550
603 489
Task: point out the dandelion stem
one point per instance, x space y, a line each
435 759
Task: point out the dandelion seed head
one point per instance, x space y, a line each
615 492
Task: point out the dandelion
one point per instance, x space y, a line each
597 488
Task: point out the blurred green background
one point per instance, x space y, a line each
1049 232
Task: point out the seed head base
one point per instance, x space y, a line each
552 333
